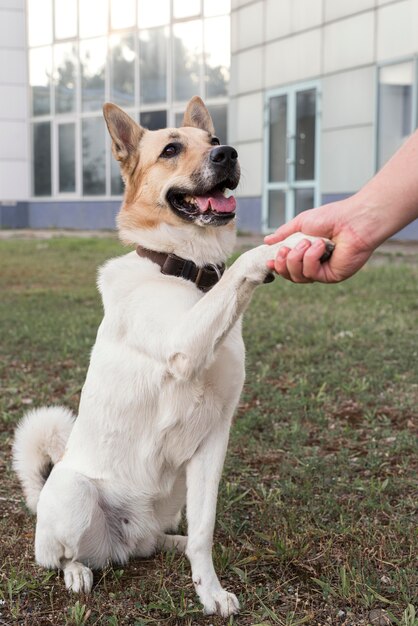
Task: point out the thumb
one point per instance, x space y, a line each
284 231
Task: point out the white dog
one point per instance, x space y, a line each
165 375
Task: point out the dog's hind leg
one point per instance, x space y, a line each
71 531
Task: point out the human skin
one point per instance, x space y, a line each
356 225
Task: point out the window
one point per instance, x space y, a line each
149 57
396 112
291 183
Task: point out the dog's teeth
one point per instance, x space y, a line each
190 199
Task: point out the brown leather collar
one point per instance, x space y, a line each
172 265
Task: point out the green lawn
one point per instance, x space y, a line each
316 512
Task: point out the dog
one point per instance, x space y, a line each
165 374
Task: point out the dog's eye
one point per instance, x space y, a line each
215 141
170 150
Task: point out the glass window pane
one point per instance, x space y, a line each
187 59
39 22
395 108
305 134
93 17
153 13
276 208
40 70
217 7
153 65
304 200
219 116
93 136
217 56
178 119
186 9
153 120
93 63
65 15
278 139
66 157
122 13
116 182
65 77
122 70
41 141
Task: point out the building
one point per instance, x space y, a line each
314 94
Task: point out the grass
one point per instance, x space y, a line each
316 519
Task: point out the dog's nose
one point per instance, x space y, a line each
223 155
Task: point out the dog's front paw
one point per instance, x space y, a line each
78 577
220 603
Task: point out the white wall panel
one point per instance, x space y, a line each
14 180
335 9
13 102
13 67
249 24
292 59
347 159
348 98
248 114
12 29
251 160
397 30
349 42
246 71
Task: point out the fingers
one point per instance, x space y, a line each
302 264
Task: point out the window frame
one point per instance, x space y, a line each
290 185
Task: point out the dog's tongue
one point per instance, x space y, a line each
217 202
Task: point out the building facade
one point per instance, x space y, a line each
322 93
314 94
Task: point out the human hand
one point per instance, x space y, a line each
337 221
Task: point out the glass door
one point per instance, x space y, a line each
291 140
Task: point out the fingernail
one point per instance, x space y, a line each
318 243
302 244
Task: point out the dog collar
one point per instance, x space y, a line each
172 265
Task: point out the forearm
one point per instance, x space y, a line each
389 201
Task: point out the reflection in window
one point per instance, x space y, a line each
41 141
40 69
93 142
217 56
153 13
187 47
278 139
153 120
93 63
395 108
122 13
178 119
122 70
219 118
93 17
65 17
304 200
153 65
39 22
305 134
66 157
65 64
186 9
116 182
277 208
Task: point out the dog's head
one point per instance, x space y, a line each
175 175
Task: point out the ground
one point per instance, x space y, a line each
316 520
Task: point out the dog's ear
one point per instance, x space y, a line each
198 116
126 134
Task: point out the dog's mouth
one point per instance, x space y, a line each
204 207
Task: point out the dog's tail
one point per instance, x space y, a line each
40 440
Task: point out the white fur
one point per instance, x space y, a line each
165 377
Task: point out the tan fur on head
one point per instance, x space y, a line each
145 174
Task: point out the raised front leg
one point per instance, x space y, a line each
196 337
203 475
